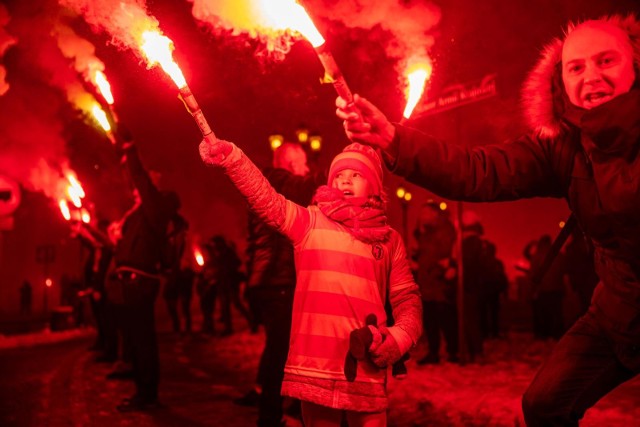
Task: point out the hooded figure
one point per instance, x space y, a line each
583 105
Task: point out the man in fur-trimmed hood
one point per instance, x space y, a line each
583 105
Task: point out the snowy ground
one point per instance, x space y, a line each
434 395
489 394
42 337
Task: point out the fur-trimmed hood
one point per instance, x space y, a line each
542 94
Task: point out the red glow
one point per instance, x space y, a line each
101 117
75 190
48 282
418 72
64 209
101 82
289 14
85 216
198 256
157 48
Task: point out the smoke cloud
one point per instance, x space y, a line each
6 41
80 50
409 22
248 17
33 150
32 112
123 20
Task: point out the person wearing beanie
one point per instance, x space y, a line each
583 105
362 160
348 262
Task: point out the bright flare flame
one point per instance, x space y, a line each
85 216
76 184
101 82
101 117
157 48
75 199
417 75
198 256
288 14
64 209
75 191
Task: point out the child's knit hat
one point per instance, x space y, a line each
362 158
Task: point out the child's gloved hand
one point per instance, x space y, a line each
377 338
386 353
361 341
214 154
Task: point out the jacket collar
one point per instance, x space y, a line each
613 127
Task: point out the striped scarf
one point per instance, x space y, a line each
364 217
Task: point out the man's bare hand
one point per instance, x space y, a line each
365 123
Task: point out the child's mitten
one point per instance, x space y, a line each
387 353
360 342
362 339
214 154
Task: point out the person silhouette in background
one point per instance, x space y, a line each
172 262
547 295
227 277
436 275
96 240
134 280
495 287
25 297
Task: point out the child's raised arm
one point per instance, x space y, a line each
263 199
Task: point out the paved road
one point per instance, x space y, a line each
60 384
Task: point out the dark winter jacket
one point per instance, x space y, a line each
588 157
269 253
596 167
434 250
144 230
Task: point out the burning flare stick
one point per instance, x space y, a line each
417 76
102 118
96 83
108 117
64 209
101 82
74 193
197 254
333 74
157 49
298 19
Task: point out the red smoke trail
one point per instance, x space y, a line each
6 41
409 23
